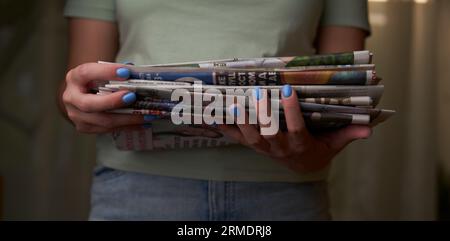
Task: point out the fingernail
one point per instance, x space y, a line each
123 73
129 98
147 126
287 91
235 110
149 118
257 92
128 63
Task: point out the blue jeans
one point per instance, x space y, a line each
121 195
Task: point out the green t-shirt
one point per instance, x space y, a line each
167 31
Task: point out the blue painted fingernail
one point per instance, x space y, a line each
257 92
123 73
128 63
236 111
149 118
147 125
287 91
129 98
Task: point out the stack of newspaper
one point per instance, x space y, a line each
186 101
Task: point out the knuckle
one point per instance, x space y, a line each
66 97
72 115
69 76
83 71
84 105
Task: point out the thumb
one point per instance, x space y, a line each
85 73
337 140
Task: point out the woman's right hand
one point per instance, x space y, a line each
88 111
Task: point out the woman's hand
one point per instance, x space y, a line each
297 148
88 111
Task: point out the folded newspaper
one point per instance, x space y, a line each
334 91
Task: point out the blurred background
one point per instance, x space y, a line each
401 173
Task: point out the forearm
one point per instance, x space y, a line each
340 39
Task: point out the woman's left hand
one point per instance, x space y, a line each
297 148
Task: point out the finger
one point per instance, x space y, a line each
77 88
293 115
101 129
99 103
233 133
91 129
108 120
267 119
248 131
146 126
337 140
85 73
262 107
292 111
88 128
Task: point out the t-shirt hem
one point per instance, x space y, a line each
77 11
221 175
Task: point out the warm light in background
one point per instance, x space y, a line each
380 19
415 1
